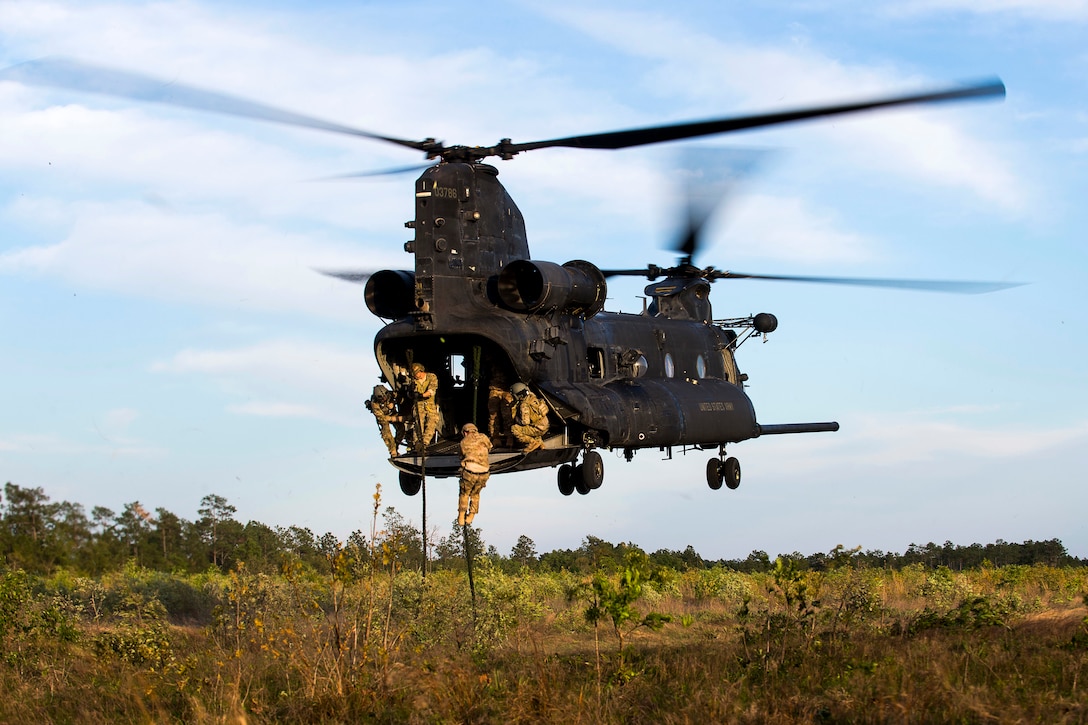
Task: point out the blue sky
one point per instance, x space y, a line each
164 336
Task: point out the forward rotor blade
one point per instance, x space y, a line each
925 285
76 76
348 275
673 132
710 177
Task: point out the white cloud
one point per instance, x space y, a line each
25 442
118 420
287 379
180 164
276 410
714 72
189 163
1050 10
909 439
142 250
783 228
35 444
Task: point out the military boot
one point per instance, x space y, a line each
462 508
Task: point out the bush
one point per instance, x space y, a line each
728 586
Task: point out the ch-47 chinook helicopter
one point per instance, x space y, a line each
475 307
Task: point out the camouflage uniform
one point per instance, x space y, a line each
426 387
531 416
475 470
384 407
500 412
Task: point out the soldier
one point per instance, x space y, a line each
384 407
475 470
530 417
500 411
425 387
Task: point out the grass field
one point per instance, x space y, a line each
371 642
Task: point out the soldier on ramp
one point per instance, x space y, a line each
425 388
530 417
383 405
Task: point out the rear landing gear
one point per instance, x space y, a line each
731 473
410 483
585 477
714 474
719 472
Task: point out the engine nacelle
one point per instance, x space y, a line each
577 287
391 294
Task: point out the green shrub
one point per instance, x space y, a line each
728 586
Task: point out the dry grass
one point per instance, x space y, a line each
862 646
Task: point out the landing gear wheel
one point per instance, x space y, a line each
592 470
580 485
714 474
566 479
410 483
731 472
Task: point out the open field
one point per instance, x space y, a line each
371 642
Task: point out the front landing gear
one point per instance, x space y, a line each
585 477
566 479
719 472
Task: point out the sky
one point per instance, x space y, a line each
163 335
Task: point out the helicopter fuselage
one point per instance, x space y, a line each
476 309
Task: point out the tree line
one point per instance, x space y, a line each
39 535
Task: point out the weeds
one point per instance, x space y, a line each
368 639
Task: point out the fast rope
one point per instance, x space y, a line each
423 493
468 563
417 426
477 352
423 487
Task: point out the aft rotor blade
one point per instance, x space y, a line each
76 76
925 285
657 134
348 275
651 272
380 172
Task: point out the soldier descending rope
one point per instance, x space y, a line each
475 470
